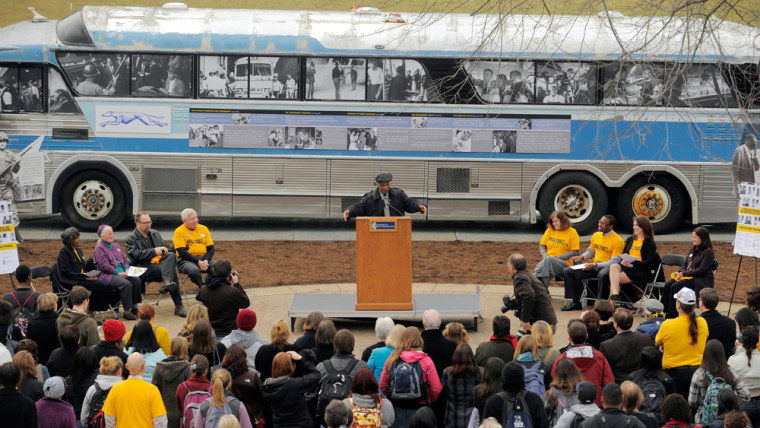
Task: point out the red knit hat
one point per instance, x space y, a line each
113 331
246 320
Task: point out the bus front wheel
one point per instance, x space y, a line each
579 195
660 198
92 198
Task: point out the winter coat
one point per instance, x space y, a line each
105 382
105 259
223 301
285 396
43 331
372 204
167 376
17 409
59 363
377 360
266 355
533 299
55 413
438 348
87 326
429 374
249 340
307 341
247 388
76 390
592 365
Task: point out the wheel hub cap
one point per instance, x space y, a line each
93 200
651 201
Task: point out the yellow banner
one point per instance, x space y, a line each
745 228
750 211
8 246
8 228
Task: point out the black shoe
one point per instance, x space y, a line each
572 307
167 287
614 297
179 310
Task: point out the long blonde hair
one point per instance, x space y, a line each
410 340
196 313
221 380
526 344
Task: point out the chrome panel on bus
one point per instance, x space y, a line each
349 177
283 176
498 180
717 201
474 209
279 206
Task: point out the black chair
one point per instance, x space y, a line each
658 283
59 290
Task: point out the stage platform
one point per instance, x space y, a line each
450 306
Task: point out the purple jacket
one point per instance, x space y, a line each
105 259
55 413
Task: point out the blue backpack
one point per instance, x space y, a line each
515 411
407 384
710 400
534 378
214 414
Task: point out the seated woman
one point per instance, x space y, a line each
559 243
641 246
71 270
112 263
695 273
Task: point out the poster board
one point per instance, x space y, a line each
747 240
8 247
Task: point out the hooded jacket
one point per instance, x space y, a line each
87 326
429 375
194 383
587 410
249 340
285 396
223 302
105 382
167 376
592 365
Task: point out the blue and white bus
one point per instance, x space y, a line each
257 113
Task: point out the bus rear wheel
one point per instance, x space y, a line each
579 195
92 198
660 198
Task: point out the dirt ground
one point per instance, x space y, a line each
273 263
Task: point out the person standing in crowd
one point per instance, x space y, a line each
112 265
383 326
513 382
562 394
695 273
653 381
380 355
205 343
720 327
501 345
559 243
284 393
17 409
746 364
582 410
456 333
676 411
438 348
42 327
622 350
110 374
83 374
324 349
143 341
384 201
8 330
342 362
112 344
194 247
196 313
683 341
148 313
532 296
542 332
612 414
24 294
224 297
59 363
632 399
246 385
642 246
146 248
310 324
52 411
245 336
77 314
459 381
489 386
366 403
29 385
134 402
221 398
537 375
198 381
591 363
169 374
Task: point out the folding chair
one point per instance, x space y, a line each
40 271
659 277
181 278
58 289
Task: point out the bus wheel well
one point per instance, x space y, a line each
659 196
578 194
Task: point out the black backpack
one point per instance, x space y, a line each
515 412
335 385
577 420
96 418
22 314
654 394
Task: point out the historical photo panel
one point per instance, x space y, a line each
503 82
639 84
566 83
336 78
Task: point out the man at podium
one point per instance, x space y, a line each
384 201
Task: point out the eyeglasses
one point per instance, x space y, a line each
144 222
603 224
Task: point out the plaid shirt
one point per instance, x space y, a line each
697 391
460 397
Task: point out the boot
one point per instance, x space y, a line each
167 287
179 310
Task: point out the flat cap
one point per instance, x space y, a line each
384 177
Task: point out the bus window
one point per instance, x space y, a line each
745 81
60 100
30 84
223 76
9 97
566 83
697 85
639 84
162 75
336 78
503 82
376 90
96 74
407 81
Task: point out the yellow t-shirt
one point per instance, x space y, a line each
635 250
559 242
676 341
196 240
606 247
134 403
162 337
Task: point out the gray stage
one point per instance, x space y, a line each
450 306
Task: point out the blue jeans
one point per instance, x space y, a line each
752 408
403 417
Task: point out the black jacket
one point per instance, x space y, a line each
17 410
612 417
722 328
699 265
623 352
307 341
650 260
70 267
285 396
372 204
495 404
533 299
223 301
109 349
42 330
59 363
265 356
140 250
22 294
439 349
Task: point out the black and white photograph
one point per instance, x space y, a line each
362 138
699 85
30 89
462 140
565 83
224 76
9 88
301 138
33 191
276 136
162 75
503 82
60 99
504 142
419 122
338 78
241 118
524 124
95 74
637 84
318 136
205 135
376 89
406 81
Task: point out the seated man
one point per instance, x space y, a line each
24 294
194 246
145 248
604 250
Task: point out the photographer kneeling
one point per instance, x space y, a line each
532 300
224 297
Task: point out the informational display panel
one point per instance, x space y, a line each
8 248
747 240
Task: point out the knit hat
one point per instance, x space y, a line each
246 320
513 377
113 331
586 392
54 387
653 306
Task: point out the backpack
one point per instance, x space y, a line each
366 416
534 378
193 402
654 394
407 384
214 414
21 314
335 384
96 418
577 420
514 412
710 400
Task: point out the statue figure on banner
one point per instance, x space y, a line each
10 191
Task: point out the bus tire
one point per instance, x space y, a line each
579 195
657 197
92 198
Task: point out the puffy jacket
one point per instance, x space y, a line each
249 340
285 396
430 375
592 365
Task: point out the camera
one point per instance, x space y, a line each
510 304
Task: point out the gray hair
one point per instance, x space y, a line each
383 325
186 213
432 319
69 235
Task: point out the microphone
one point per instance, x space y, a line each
388 204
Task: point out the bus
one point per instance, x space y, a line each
290 114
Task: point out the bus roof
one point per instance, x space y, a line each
443 35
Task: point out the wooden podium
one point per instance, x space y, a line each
383 263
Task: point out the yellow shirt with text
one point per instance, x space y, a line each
195 240
635 250
559 242
606 247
